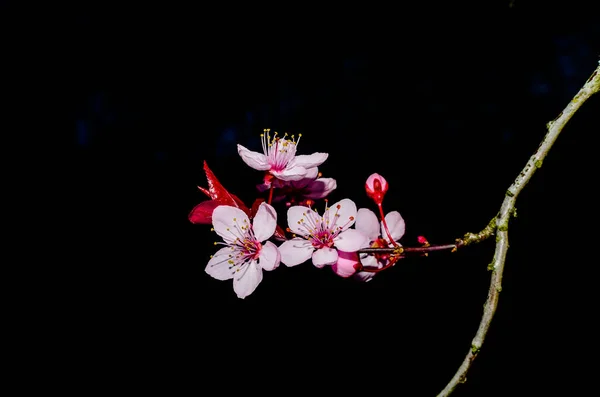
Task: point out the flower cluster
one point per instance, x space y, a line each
340 237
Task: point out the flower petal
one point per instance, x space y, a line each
320 188
364 276
368 261
219 266
295 251
395 224
310 160
340 215
367 223
256 160
346 264
247 279
351 241
269 256
290 173
227 222
297 215
311 175
324 256
264 222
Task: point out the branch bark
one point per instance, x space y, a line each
554 128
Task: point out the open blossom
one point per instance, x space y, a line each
279 158
368 223
246 253
320 237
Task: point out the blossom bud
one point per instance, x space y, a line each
376 187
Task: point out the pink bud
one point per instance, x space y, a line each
422 240
376 187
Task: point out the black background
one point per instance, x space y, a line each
446 101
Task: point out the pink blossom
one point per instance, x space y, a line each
368 223
246 253
320 237
279 157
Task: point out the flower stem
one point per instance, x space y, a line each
387 231
270 194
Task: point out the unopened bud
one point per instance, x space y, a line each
376 187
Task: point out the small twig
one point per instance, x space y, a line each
507 209
407 250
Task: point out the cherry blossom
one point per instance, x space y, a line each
246 253
279 158
320 237
368 223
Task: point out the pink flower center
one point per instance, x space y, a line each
320 231
279 151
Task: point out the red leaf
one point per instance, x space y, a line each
217 192
240 204
202 213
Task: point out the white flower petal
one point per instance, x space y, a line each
341 215
290 173
269 256
247 279
395 224
320 188
310 160
256 160
324 256
219 267
264 222
364 276
312 172
370 262
228 221
367 223
351 241
295 251
297 215
311 175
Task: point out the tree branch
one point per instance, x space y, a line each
591 86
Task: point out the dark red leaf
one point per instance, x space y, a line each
202 213
218 193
